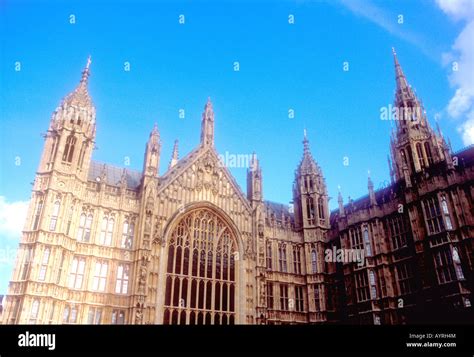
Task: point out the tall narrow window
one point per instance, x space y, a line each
69 148
445 269
405 278
127 235
106 231
447 217
299 298
314 262
61 267
428 153
54 147
121 284
398 231
321 210
282 258
269 295
100 276
310 209
362 286
373 284
82 153
44 264
39 208
283 297
317 302
76 276
356 238
27 258
368 247
457 264
433 216
296 260
54 216
69 219
269 255
34 312
419 152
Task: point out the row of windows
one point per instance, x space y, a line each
282 259
85 226
287 303
70 314
99 279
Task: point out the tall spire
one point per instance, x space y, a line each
80 96
307 164
152 153
174 155
207 124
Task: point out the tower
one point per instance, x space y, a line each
69 141
311 212
414 144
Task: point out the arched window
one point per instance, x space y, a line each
106 231
314 261
54 216
419 152
200 279
69 148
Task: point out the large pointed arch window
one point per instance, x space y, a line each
201 272
69 148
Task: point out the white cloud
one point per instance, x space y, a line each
462 58
388 21
12 218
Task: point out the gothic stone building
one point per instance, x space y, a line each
107 245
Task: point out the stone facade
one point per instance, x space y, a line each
107 245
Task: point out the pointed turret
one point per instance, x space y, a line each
309 191
152 153
174 155
414 144
340 202
207 125
254 180
370 186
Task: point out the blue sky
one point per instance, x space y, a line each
177 66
